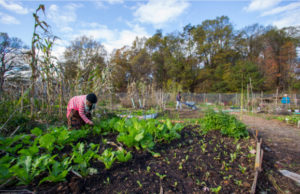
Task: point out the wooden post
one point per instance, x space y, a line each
258 164
257 159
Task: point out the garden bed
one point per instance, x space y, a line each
193 163
132 156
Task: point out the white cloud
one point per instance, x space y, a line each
281 9
99 33
290 18
115 1
282 15
17 8
7 19
103 4
258 5
66 29
158 12
59 48
125 37
99 4
63 17
112 38
58 52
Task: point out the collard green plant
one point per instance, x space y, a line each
5 163
30 150
13 144
36 131
28 167
123 155
81 157
77 134
58 171
227 124
107 157
143 134
47 141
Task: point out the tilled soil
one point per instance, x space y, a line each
194 163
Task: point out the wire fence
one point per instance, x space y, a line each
164 100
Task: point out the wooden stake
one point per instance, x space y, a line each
261 159
257 160
253 188
256 135
258 164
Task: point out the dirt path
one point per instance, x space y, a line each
281 143
275 132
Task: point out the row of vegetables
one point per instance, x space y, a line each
42 155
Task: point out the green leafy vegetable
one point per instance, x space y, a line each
47 141
123 156
58 171
108 158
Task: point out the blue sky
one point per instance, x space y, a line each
116 23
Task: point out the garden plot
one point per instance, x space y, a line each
130 155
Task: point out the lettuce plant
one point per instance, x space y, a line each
123 155
81 157
28 167
107 157
58 171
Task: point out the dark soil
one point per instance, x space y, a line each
185 166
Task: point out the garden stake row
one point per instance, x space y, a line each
258 164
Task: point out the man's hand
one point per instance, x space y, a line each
91 123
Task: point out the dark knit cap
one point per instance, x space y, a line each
92 98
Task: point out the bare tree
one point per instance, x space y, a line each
11 57
85 60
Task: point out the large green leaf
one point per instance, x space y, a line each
36 131
47 141
139 136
